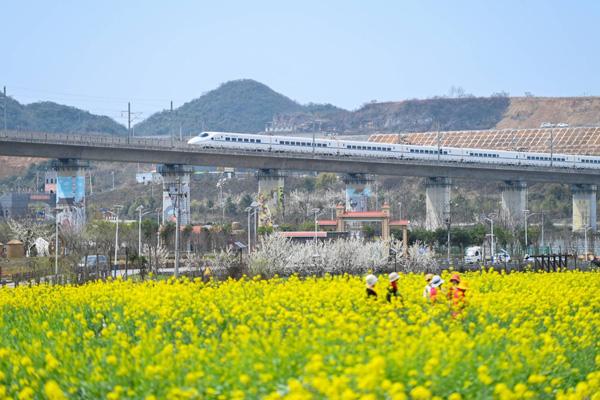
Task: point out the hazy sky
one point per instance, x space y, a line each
98 55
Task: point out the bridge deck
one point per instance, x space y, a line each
145 150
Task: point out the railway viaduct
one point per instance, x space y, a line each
174 156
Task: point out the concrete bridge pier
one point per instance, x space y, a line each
271 196
514 202
70 193
176 192
584 207
358 191
437 199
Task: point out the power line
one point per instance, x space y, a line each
93 97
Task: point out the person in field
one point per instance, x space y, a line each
454 281
392 290
427 286
371 282
457 295
436 288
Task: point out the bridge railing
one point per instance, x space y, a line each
90 139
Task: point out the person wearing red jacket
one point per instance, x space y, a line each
436 288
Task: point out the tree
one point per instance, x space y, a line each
325 180
308 184
28 230
245 201
230 207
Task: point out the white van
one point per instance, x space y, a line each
473 255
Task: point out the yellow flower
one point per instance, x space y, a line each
53 391
420 393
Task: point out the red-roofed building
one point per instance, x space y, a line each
340 223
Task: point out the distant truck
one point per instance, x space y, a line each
473 255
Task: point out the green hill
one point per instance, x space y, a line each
236 106
51 117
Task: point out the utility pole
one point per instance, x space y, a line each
56 244
543 247
128 119
526 212
5 105
439 142
177 203
172 122
140 209
116 213
551 146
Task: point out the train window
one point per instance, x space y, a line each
258 141
227 139
245 140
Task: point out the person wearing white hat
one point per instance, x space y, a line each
371 281
392 290
436 287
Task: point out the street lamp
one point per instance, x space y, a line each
586 228
140 215
491 220
527 214
56 210
220 184
249 210
158 212
448 225
116 214
552 126
315 211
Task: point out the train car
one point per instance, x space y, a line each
288 144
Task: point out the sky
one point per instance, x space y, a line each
99 55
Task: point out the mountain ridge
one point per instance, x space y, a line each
48 116
248 106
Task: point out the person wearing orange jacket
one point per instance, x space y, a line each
457 295
454 281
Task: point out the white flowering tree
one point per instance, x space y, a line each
28 230
278 255
421 259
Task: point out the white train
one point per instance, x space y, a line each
340 147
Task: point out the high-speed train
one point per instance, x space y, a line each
335 147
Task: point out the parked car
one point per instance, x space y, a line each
93 263
502 256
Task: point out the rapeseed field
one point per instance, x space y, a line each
520 336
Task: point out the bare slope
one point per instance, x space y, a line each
531 112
